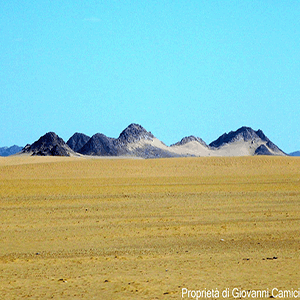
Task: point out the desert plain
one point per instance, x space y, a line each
78 228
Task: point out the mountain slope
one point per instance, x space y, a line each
244 133
134 133
77 141
49 144
190 146
189 139
142 143
101 145
134 141
249 141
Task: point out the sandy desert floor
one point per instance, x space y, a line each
75 228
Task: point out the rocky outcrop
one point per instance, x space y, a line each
246 134
133 142
49 144
132 134
243 133
136 141
77 141
101 145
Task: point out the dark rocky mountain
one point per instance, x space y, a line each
127 144
136 141
134 133
101 145
243 133
77 141
296 153
188 139
49 144
6 151
247 134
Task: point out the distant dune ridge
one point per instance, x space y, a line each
136 141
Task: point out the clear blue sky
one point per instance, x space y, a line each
176 67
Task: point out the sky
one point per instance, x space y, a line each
178 68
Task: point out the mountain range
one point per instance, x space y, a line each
6 151
136 141
296 153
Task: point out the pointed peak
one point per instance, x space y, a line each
99 144
50 134
49 137
245 129
135 125
134 128
78 134
77 141
48 144
244 133
133 133
188 139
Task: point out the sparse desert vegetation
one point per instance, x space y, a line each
77 228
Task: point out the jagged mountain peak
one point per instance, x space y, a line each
127 144
133 133
244 133
78 135
136 141
188 139
49 138
49 144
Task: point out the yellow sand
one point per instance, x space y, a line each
75 228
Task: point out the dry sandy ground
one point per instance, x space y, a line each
74 228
